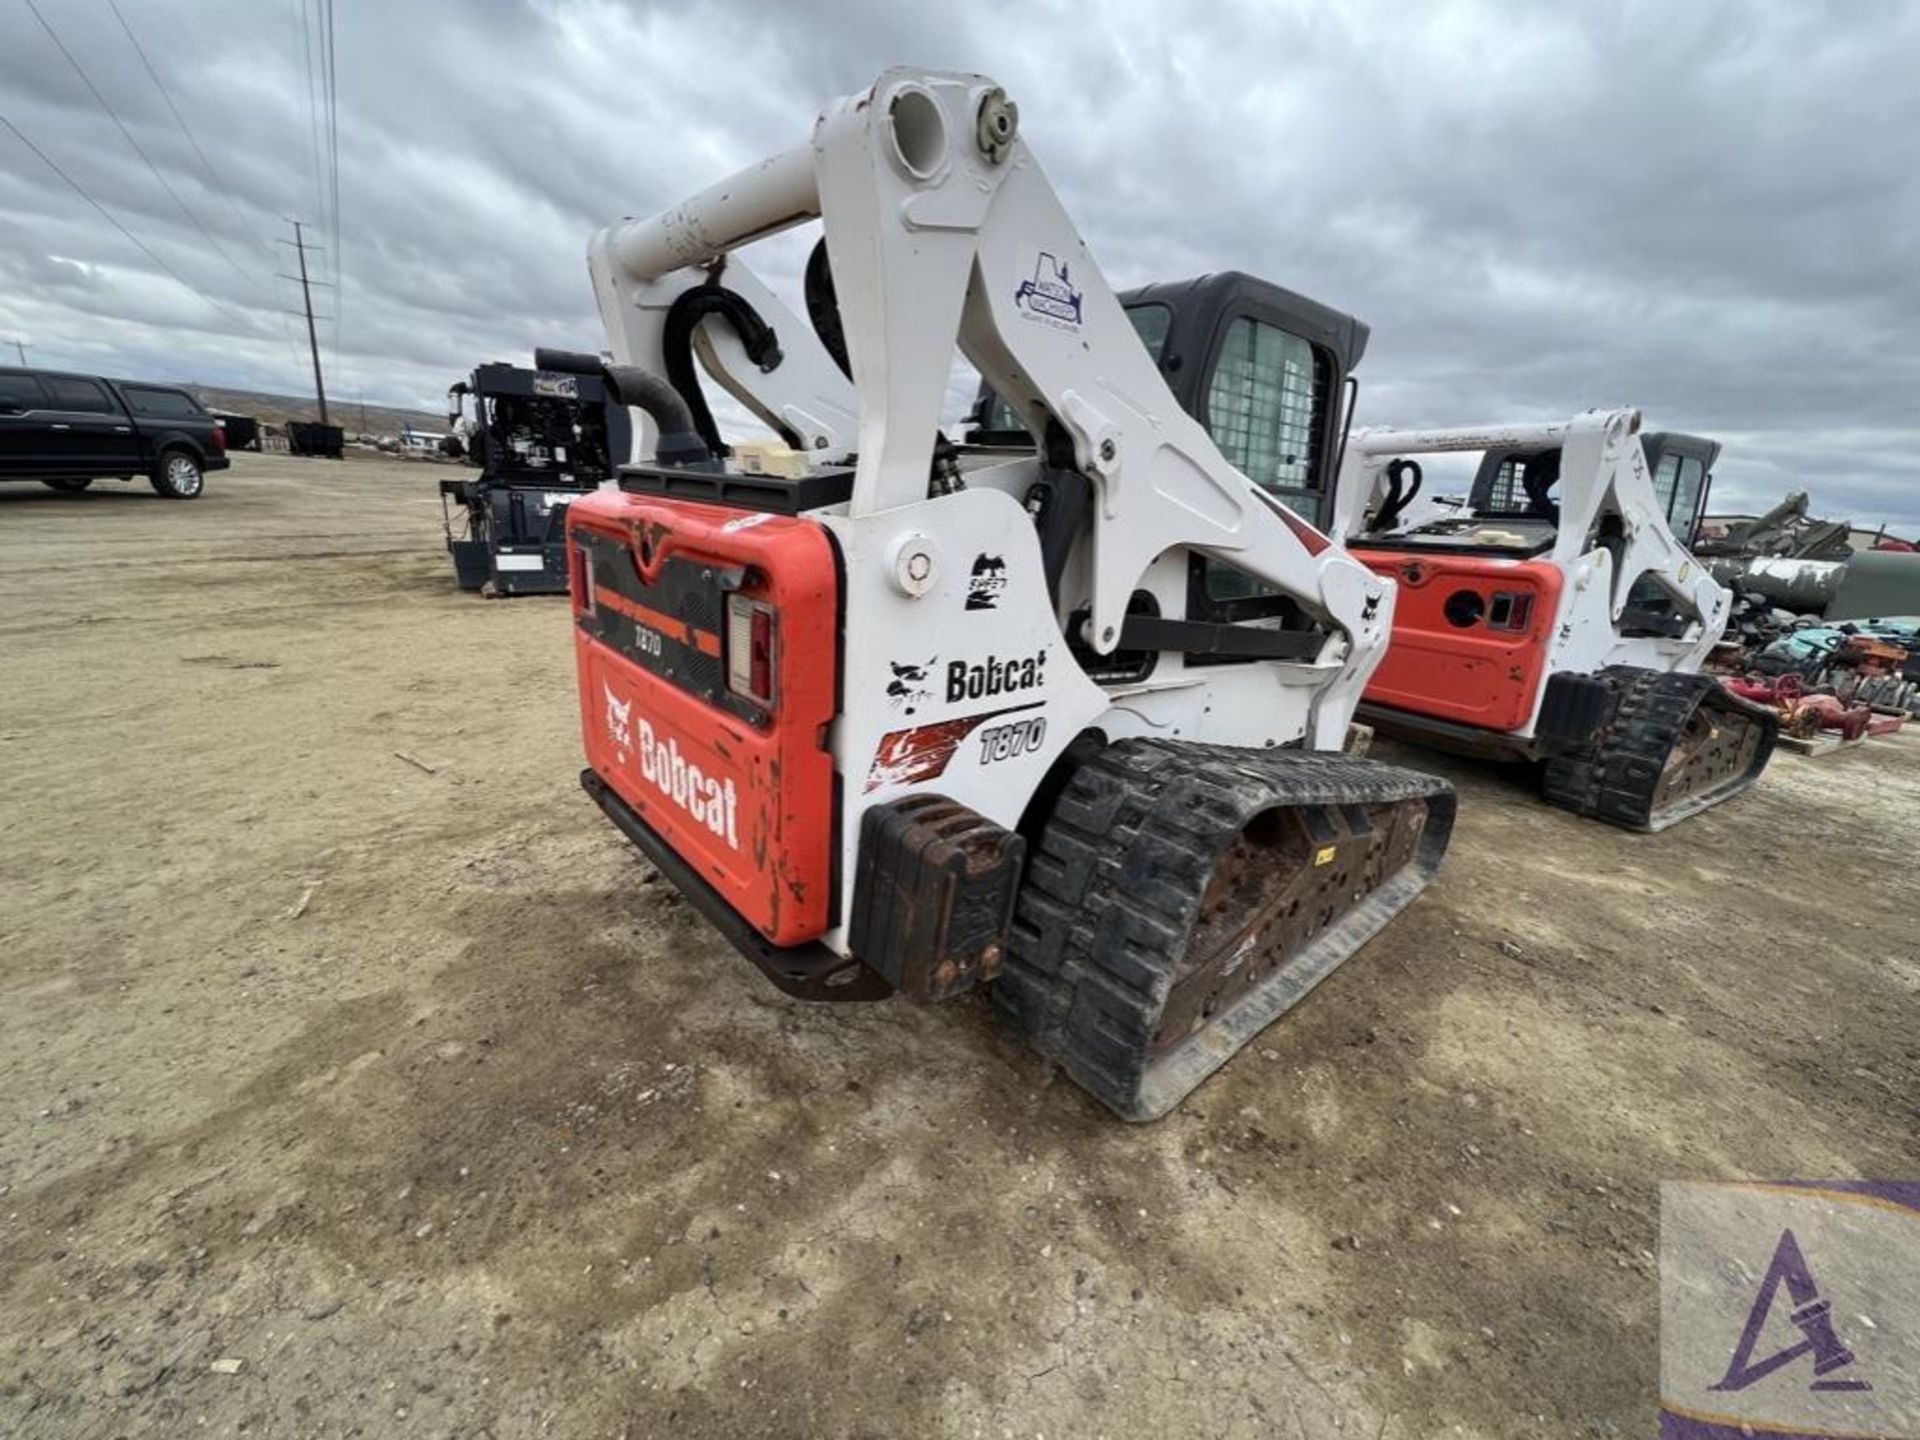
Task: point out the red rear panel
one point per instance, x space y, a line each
742 791
1470 636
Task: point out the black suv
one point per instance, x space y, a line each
67 431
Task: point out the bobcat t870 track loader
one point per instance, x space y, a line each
898 715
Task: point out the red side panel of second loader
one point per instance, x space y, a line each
1470 637
735 777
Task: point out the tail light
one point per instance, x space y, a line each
219 438
580 580
750 642
1511 611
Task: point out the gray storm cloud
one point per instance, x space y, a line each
1706 210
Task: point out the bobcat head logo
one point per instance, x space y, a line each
619 720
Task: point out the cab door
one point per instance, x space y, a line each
93 434
23 425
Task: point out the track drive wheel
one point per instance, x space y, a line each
1677 744
1181 897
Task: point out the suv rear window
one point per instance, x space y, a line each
162 404
21 392
75 392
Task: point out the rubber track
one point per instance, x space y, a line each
1617 779
1114 885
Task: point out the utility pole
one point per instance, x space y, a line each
21 346
313 338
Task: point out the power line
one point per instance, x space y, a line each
313 106
114 115
313 20
114 221
213 179
333 166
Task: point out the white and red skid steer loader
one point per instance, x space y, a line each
901 715
1557 617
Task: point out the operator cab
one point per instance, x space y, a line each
1263 368
1513 509
1268 372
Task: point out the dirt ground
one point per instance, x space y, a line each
349 1096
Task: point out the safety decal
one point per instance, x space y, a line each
988 579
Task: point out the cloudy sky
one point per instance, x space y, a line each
1709 210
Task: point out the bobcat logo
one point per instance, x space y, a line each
909 688
619 721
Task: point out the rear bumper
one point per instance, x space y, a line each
216 462
808 972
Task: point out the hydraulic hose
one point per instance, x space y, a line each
683 317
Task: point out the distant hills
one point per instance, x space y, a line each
354 417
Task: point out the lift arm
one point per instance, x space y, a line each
943 230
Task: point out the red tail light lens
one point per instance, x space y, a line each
580 580
762 667
220 439
751 637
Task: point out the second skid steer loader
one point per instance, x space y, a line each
898 715
1558 617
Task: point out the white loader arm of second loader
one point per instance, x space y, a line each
944 232
1603 471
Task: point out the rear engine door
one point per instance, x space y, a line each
707 647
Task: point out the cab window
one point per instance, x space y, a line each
1686 495
1666 479
76 392
21 392
1151 323
1508 493
162 404
1263 402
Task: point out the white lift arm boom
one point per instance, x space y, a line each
944 230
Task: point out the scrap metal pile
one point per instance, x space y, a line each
1789 571
1823 631
1850 679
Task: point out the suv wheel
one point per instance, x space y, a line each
177 476
69 485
